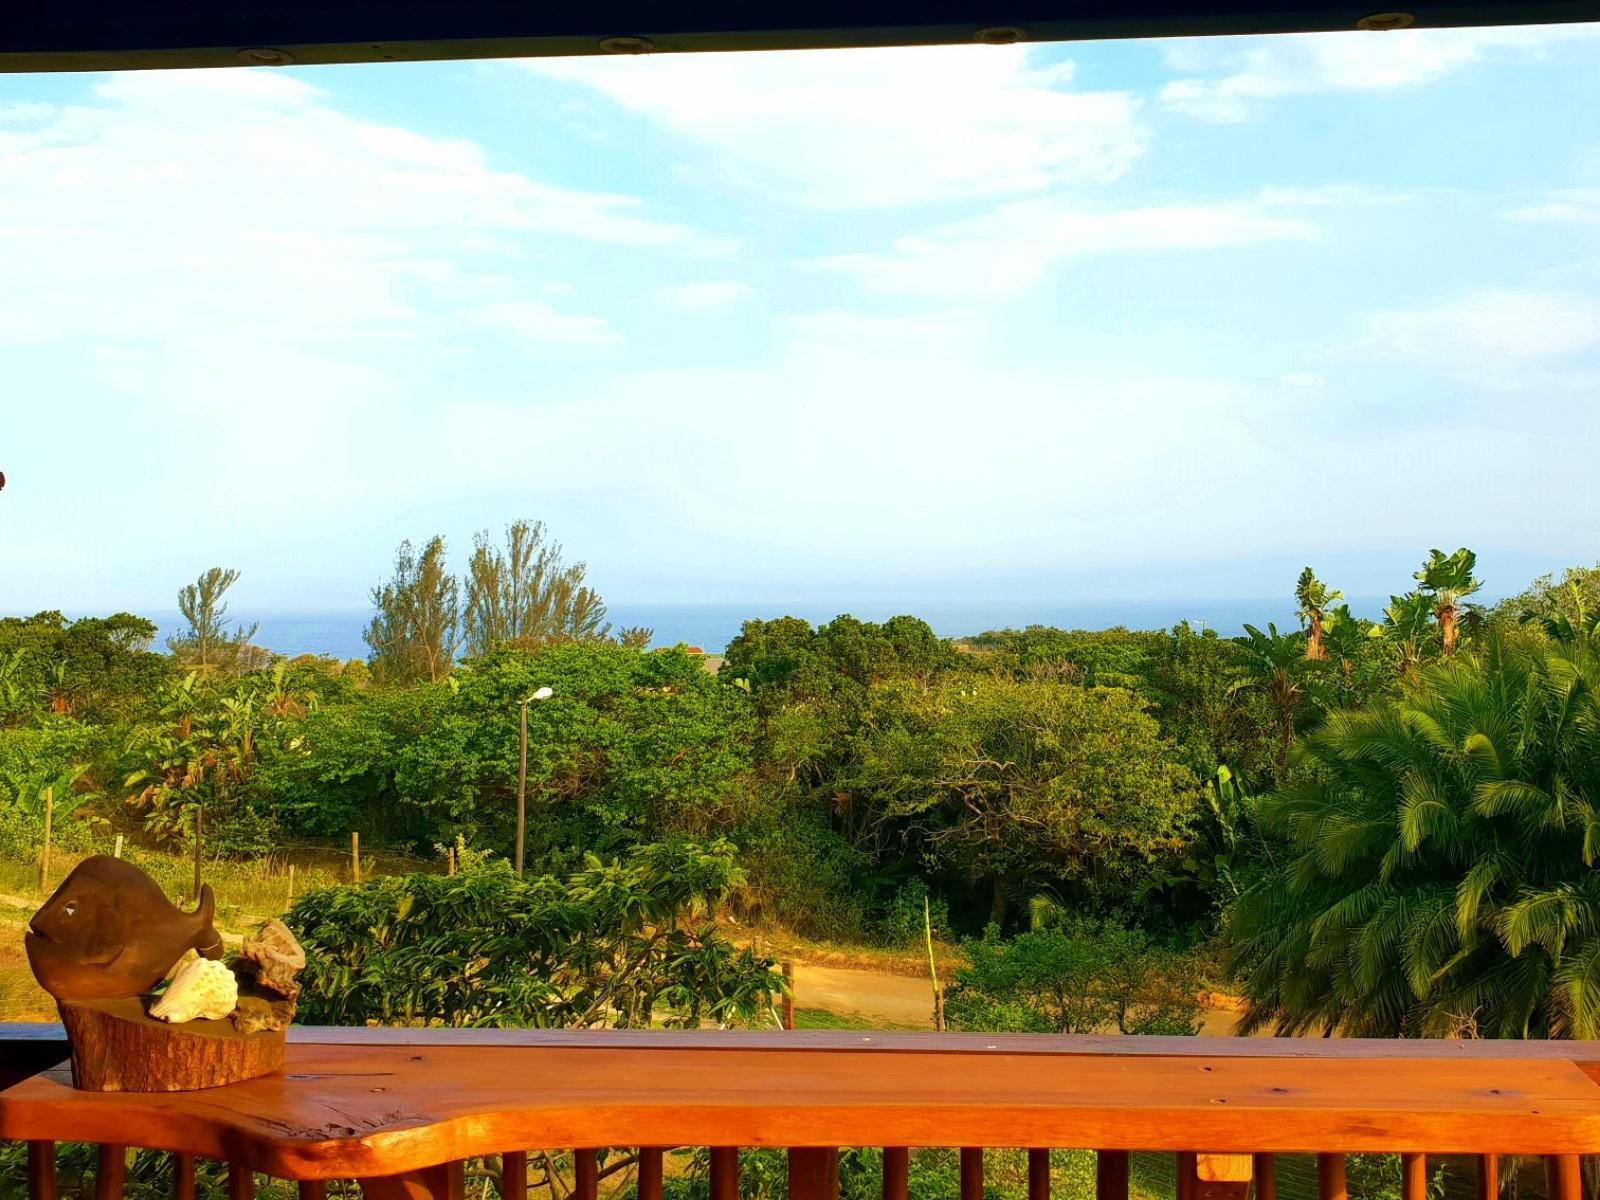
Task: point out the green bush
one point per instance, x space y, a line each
910 912
1085 977
611 944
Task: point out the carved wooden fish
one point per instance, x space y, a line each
109 932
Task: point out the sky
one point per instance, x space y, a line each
913 325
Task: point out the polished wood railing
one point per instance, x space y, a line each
401 1110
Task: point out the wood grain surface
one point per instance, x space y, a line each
404 1103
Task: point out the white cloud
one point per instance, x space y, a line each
1580 206
705 295
243 206
999 254
536 320
1231 79
1486 330
863 129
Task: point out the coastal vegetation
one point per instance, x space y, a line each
1380 826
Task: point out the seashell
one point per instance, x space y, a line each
277 957
204 988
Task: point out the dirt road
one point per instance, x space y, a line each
906 1000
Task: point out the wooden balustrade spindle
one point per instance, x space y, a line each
42 1171
111 1168
1488 1177
183 1177
586 1173
241 1182
1563 1175
1188 1163
1330 1177
1111 1175
724 1173
514 1177
650 1172
1413 1177
1038 1174
447 1181
813 1173
1266 1174
972 1173
896 1173
313 1189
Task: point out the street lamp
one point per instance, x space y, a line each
543 693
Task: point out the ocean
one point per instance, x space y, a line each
337 632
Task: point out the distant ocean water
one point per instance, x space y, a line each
712 626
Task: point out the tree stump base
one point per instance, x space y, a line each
116 1047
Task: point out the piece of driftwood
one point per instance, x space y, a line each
117 1048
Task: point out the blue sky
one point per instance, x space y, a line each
1154 318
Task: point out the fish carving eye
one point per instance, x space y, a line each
72 907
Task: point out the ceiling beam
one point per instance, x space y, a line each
101 35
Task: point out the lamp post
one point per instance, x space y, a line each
543 693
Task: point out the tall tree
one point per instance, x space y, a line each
1013 784
417 626
207 644
1314 597
527 595
1447 580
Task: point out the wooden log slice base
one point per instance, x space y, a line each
116 1047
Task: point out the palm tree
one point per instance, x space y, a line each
1272 667
1408 622
1314 598
1440 879
1447 580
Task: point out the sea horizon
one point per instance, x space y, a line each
337 633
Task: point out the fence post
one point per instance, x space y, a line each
44 858
788 994
117 850
199 821
355 856
291 883
450 868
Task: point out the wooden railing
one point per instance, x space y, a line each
400 1110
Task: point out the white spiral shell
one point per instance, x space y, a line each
202 988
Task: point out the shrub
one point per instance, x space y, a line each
611 944
1083 978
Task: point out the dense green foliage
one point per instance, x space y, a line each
1325 799
618 943
1083 977
1441 847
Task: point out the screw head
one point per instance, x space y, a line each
1380 22
1000 35
265 56
627 45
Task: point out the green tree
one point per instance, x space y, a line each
1447 580
526 594
207 644
95 669
1576 590
1272 667
1439 874
1314 598
416 629
1013 783
1407 623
